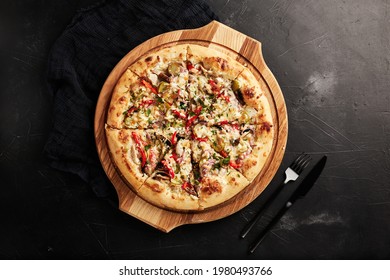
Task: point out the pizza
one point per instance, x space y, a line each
188 127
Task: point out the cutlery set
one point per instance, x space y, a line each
279 202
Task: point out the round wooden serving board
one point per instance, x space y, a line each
237 45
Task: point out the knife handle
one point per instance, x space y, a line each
268 221
260 213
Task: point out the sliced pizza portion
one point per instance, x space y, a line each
209 84
165 71
135 104
223 89
240 100
249 93
243 147
214 179
209 62
152 91
167 64
137 152
170 185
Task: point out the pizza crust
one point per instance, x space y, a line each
215 190
217 61
167 196
124 153
120 99
254 163
158 60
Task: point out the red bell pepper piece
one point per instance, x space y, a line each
174 156
227 98
140 148
223 122
190 121
185 185
147 103
173 139
214 86
234 164
189 65
198 110
189 188
204 139
149 86
131 110
170 170
179 114
236 126
223 153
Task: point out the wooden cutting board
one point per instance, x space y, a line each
242 48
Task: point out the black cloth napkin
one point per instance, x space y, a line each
82 58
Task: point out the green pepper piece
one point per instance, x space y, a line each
235 85
127 121
174 68
162 87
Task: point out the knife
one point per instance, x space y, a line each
272 217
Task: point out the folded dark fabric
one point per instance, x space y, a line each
82 58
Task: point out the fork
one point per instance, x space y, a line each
292 173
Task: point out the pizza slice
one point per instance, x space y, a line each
235 101
166 73
223 89
210 73
152 91
243 147
135 104
170 185
251 96
137 152
210 62
214 179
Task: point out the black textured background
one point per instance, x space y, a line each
332 60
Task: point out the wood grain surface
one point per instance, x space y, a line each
242 48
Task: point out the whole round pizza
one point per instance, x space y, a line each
188 127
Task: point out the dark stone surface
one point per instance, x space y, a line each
332 60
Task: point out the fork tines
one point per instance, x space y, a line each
300 163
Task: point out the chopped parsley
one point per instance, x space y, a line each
201 102
221 163
225 161
159 99
147 147
182 105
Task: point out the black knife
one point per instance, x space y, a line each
272 217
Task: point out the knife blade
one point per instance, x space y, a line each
272 217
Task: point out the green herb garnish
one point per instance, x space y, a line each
225 161
148 111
